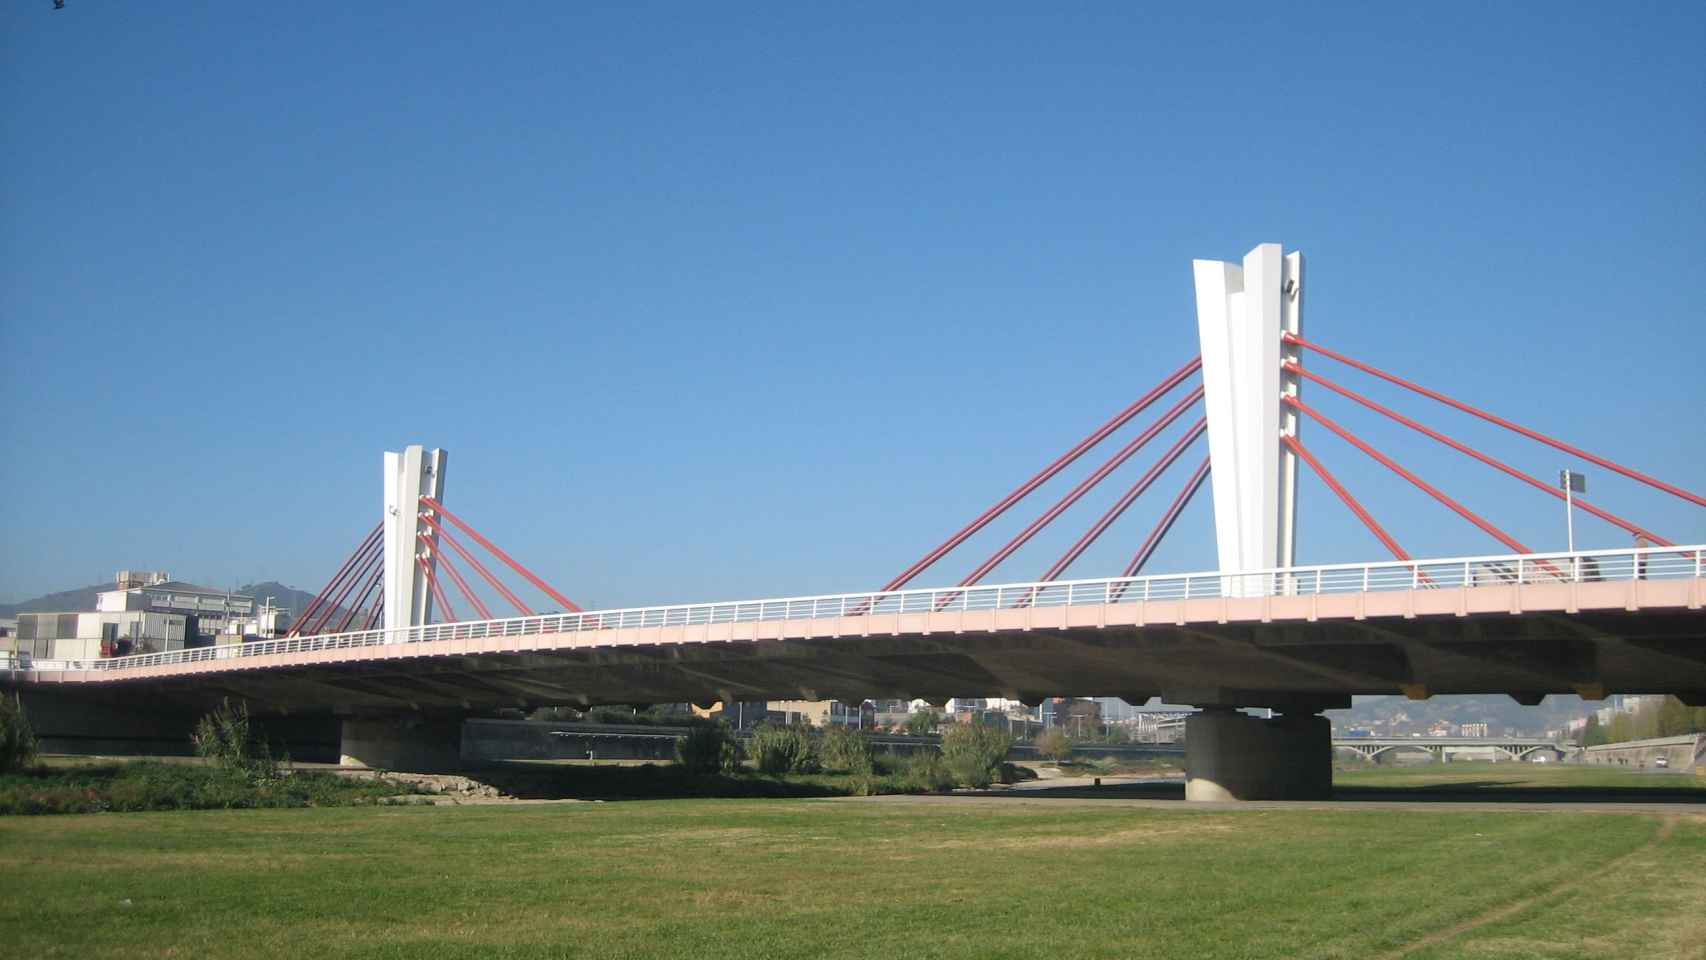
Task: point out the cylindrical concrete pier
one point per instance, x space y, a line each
1234 756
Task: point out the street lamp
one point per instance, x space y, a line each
1573 483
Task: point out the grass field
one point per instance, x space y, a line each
896 876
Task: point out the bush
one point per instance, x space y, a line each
974 753
844 748
232 743
778 749
708 748
153 785
921 724
1054 744
17 739
925 772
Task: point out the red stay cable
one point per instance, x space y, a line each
378 608
320 598
461 584
1556 444
1072 496
1458 508
479 567
1362 514
1043 476
355 608
374 556
435 506
1167 519
1464 448
438 596
1126 500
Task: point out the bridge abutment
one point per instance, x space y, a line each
407 744
1234 756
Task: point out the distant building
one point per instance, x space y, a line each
209 612
824 713
86 635
1472 730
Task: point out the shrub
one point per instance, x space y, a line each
844 748
17 739
708 748
924 771
231 742
778 749
921 724
1054 744
973 753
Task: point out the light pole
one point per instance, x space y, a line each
1573 483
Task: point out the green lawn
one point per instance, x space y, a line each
888 877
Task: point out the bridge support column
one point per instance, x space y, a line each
407 744
1234 756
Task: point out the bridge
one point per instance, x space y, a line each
1515 748
382 648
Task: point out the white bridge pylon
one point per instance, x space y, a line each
409 563
1242 312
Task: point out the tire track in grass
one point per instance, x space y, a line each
1667 826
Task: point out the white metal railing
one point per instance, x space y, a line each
1654 563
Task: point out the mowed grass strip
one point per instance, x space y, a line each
936 877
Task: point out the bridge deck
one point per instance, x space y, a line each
1593 622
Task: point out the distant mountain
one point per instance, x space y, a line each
65 601
1503 716
83 598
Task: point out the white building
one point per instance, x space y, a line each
90 634
211 612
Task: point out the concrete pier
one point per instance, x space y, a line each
412 744
1234 756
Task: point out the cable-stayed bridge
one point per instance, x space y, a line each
383 643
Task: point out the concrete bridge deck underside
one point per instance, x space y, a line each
1286 652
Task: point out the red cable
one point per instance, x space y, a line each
1532 481
1166 523
1462 511
377 608
434 505
1556 444
337 578
461 584
1327 477
479 567
1101 433
1126 500
1072 496
355 608
375 555
437 591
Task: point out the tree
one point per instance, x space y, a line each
1054 744
17 739
1593 734
922 724
974 753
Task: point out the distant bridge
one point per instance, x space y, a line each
1516 748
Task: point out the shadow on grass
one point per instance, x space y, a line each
1491 790
646 782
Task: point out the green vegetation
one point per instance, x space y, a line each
1667 718
17 739
1054 744
914 877
708 748
974 754
845 749
228 740
923 723
778 748
154 785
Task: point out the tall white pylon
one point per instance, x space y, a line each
1242 310
408 476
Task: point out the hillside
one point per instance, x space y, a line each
83 598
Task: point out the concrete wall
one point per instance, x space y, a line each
85 727
1682 754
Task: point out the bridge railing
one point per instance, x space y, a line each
1656 563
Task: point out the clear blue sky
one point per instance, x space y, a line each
760 300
